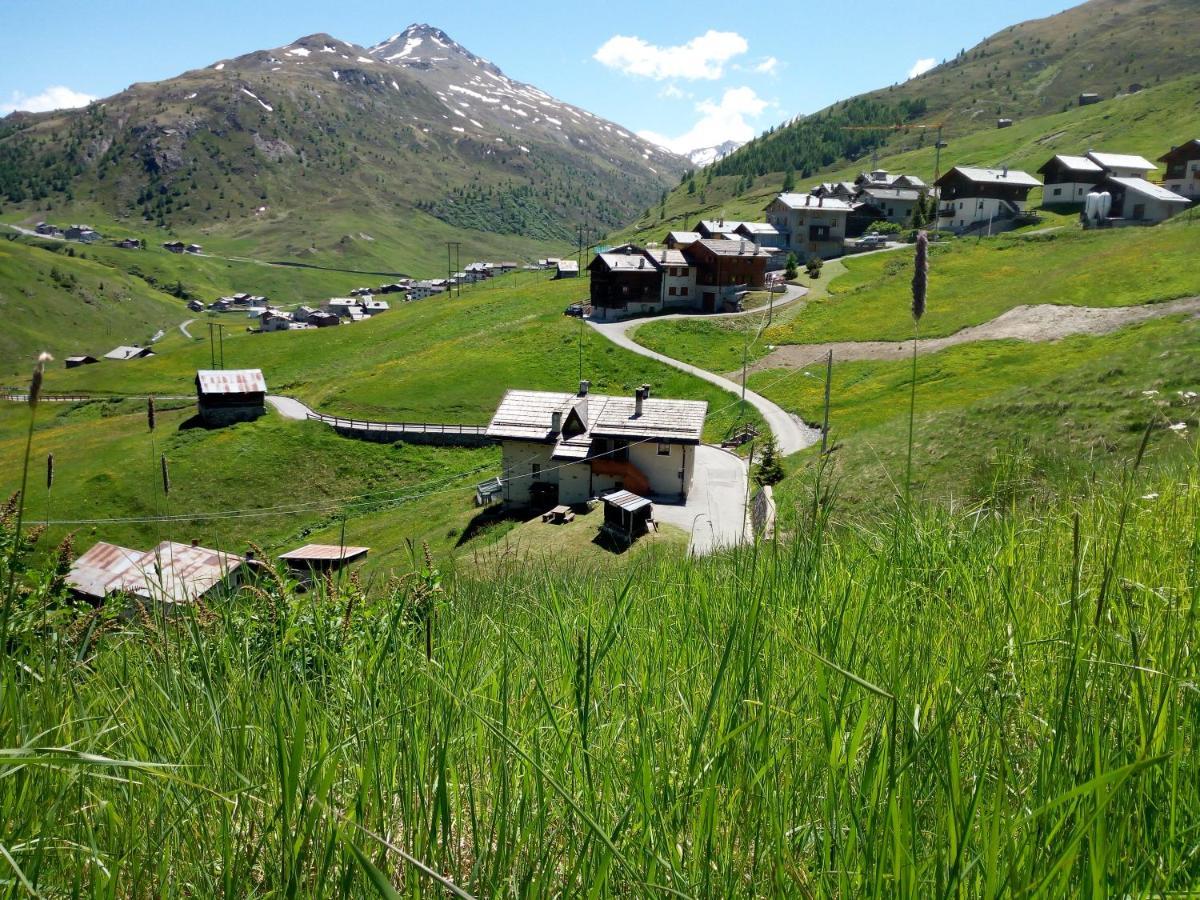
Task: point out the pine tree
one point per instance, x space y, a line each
789 181
769 470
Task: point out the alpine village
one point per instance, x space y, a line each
415 484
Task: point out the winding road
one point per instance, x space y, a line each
791 433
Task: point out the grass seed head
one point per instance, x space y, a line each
920 281
150 412
39 373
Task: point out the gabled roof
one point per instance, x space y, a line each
231 381
723 226
746 247
568 265
171 572
762 229
1121 161
979 175
1188 150
666 257
890 193
626 500
128 353
633 261
1079 164
684 237
808 201
1148 189
528 415
909 181
324 553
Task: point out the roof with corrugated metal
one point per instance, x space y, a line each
626 500
324 553
103 565
528 415
179 573
128 353
231 381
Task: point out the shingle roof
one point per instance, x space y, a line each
981 175
744 247
1149 189
231 381
881 193
528 415
808 201
1121 161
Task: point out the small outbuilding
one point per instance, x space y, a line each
567 268
627 515
225 396
314 559
76 361
127 353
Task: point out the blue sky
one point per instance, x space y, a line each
686 75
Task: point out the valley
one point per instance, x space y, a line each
412 483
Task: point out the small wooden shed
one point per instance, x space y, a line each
225 396
627 515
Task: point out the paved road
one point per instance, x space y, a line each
183 326
715 513
791 433
289 407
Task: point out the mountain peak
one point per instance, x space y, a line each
423 46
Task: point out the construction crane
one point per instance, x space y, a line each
937 163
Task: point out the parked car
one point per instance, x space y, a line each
575 309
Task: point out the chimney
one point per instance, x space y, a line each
1005 170
641 262
584 387
646 391
637 402
808 199
249 556
820 201
195 542
556 421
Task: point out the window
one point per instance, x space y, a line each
1058 192
683 291
664 449
670 292
536 470
818 232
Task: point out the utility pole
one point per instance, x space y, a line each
937 173
221 343
825 420
212 348
581 349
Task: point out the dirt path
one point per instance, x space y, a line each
1043 322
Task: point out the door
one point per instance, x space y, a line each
710 301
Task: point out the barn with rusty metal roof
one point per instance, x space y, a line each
225 396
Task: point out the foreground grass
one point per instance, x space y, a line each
945 705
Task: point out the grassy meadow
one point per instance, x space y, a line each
934 703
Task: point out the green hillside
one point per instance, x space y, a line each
323 151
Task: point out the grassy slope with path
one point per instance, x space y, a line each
446 359
971 281
1018 416
443 359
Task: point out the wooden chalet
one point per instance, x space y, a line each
225 396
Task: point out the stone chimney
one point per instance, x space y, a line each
646 391
584 387
556 421
821 201
195 542
638 397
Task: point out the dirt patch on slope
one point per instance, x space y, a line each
1043 322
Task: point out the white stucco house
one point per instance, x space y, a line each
568 448
973 197
1183 170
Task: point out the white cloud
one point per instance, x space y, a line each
921 66
673 92
720 120
56 97
767 66
702 57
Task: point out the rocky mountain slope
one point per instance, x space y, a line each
310 146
